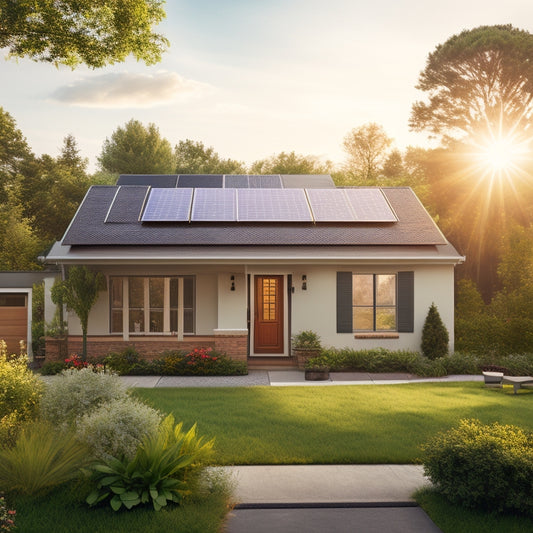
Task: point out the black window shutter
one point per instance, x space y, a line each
344 302
406 302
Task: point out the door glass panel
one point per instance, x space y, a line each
269 299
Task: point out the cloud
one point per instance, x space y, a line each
129 90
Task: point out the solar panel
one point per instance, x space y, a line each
168 205
370 205
272 205
268 181
153 180
127 204
330 205
307 181
236 181
214 205
200 180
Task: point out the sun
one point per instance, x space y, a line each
501 154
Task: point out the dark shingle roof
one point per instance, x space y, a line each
89 226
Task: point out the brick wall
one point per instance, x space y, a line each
236 346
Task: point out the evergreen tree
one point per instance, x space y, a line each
434 335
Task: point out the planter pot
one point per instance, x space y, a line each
316 375
303 355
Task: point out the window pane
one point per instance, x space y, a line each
386 289
12 300
188 321
188 292
363 289
137 320
173 293
136 292
156 320
116 292
174 320
157 292
116 321
363 318
385 318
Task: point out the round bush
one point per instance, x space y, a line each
116 428
76 392
489 467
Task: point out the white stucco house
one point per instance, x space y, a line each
242 263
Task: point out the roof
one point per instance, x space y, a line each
95 225
109 227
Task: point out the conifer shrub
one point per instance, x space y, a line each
435 336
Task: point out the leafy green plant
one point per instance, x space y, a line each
306 340
41 459
483 466
117 427
20 394
435 336
51 368
7 516
76 392
157 473
127 361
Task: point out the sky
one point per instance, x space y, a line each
252 78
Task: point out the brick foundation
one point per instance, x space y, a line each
56 349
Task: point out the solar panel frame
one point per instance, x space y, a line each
273 205
214 205
370 205
330 205
168 205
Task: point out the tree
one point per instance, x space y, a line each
80 292
192 157
480 85
366 147
136 149
434 335
72 32
291 163
14 153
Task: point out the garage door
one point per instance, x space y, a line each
13 320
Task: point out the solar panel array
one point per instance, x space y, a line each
267 205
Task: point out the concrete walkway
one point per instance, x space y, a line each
285 378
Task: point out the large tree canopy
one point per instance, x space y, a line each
479 84
291 163
192 157
72 32
136 149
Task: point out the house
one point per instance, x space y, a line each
242 262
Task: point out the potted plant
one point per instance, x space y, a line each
305 345
316 369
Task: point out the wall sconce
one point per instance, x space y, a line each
304 282
232 278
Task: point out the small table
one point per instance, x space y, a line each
518 381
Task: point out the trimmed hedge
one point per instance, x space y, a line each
488 467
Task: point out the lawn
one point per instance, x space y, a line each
335 425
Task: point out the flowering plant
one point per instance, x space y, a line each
7 517
75 361
200 356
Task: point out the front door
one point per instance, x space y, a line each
268 315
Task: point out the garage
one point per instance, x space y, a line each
14 320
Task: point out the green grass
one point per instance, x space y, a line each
64 511
335 425
456 519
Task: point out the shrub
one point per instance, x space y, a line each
518 364
434 335
127 362
483 466
41 459
76 392
306 340
157 473
116 428
462 363
20 394
52 368
7 516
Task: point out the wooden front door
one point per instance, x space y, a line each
268 315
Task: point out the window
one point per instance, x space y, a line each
375 302
12 300
153 304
